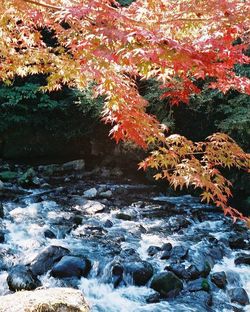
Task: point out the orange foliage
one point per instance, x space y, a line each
174 42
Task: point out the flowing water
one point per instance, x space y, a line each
154 219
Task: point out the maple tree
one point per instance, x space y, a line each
112 47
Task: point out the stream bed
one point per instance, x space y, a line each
126 245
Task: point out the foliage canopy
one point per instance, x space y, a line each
177 43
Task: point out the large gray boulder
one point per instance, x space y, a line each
45 300
46 259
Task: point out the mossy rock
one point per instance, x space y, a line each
167 284
7 176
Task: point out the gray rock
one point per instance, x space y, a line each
46 259
74 165
71 266
20 277
106 194
152 250
239 295
91 193
167 284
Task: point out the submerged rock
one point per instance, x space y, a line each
46 259
71 266
20 277
45 300
167 284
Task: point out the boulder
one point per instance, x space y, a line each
239 295
76 165
108 224
152 250
7 176
219 279
90 207
71 266
179 252
20 277
1 237
167 284
26 179
242 259
190 273
123 216
46 259
237 241
91 193
45 300
49 234
140 271
1 211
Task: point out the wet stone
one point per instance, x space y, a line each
198 284
108 224
242 259
141 272
21 278
167 284
71 266
49 234
152 250
239 295
46 259
219 279
179 252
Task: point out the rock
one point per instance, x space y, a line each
242 259
152 250
178 222
91 193
179 270
130 255
71 266
179 252
239 295
1 237
45 300
106 194
46 259
7 176
49 234
219 279
167 246
108 224
74 165
123 216
154 298
26 178
20 277
141 272
203 298
167 284
198 284
1 211
90 206
1 185
191 273
116 273
237 241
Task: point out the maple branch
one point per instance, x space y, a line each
43 4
